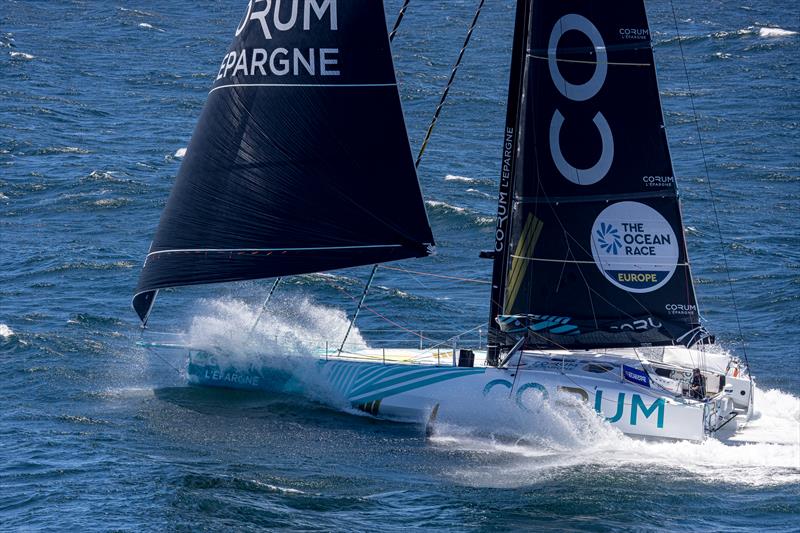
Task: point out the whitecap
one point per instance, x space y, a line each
22 55
445 206
5 331
451 177
481 193
147 26
775 32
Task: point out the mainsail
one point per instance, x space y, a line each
300 161
594 254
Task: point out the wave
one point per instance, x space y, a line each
111 202
6 332
61 150
451 177
22 55
136 12
146 26
89 265
443 208
764 32
775 32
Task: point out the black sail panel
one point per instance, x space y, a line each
597 252
300 161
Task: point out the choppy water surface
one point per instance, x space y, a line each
97 100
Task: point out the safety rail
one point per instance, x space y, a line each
387 345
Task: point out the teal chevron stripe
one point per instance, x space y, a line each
351 375
336 371
372 374
395 379
445 376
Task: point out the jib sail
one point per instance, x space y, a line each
300 161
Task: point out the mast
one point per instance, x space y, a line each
510 141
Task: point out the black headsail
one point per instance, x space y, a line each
595 250
300 161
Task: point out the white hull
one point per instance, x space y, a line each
417 386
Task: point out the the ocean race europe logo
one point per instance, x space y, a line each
634 247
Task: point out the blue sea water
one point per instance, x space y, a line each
97 98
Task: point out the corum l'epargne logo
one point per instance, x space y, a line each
634 33
681 309
634 247
282 18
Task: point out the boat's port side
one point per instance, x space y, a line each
640 397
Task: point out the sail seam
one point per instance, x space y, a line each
193 250
582 61
575 261
303 85
666 193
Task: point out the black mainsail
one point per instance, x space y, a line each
300 161
594 255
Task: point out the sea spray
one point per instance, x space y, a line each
290 339
552 439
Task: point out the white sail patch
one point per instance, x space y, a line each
634 247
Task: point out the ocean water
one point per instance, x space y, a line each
98 101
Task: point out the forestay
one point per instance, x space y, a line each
300 161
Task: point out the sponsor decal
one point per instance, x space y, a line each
505 181
681 309
635 375
271 17
637 404
538 324
231 377
581 92
658 181
637 325
634 33
634 247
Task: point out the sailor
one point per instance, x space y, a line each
697 385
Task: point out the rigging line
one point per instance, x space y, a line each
399 19
360 304
468 280
390 321
158 355
449 84
263 308
582 62
710 188
446 341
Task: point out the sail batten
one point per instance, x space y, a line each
595 254
300 161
